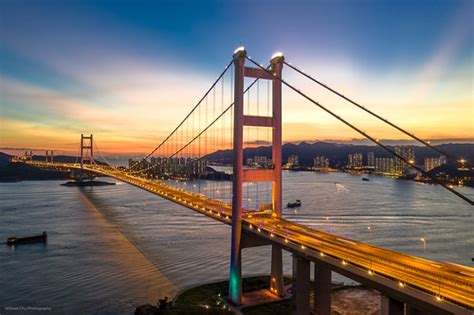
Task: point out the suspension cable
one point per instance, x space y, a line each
204 130
189 114
217 118
102 156
386 148
411 135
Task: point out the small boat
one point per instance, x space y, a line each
365 179
12 241
294 204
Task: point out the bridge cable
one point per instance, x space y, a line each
189 114
413 136
386 148
198 136
216 119
96 147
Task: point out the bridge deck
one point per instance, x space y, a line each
444 282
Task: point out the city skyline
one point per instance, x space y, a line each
67 70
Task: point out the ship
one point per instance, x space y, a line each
294 204
12 241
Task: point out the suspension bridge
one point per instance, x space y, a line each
242 109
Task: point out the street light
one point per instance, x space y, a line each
423 240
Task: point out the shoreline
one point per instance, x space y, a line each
212 296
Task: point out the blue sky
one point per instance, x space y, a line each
83 52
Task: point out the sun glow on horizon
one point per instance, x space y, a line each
130 92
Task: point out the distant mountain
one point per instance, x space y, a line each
337 153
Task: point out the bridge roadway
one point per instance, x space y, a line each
446 285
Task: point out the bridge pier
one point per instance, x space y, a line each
391 306
322 289
276 275
301 285
276 280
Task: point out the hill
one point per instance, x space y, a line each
337 153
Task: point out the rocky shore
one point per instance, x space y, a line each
211 299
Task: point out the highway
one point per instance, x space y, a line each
445 282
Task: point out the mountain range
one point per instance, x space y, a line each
337 153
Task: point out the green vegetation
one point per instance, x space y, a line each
213 294
210 299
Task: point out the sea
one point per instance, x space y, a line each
112 248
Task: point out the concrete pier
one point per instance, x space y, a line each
322 289
301 285
391 306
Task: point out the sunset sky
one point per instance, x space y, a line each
128 72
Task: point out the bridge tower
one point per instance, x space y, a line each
87 152
255 175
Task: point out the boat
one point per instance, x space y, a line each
12 241
294 204
365 179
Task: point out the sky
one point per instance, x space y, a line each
129 71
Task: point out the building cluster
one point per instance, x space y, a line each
383 165
355 161
321 163
171 167
292 163
432 162
259 161
396 166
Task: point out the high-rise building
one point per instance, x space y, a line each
321 162
262 161
355 160
293 161
385 166
259 161
408 153
431 163
371 159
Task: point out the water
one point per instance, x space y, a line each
114 247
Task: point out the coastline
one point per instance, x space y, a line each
212 296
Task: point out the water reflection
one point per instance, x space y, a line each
112 247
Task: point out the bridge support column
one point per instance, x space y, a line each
276 284
301 285
276 279
322 289
391 306
235 276
89 159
